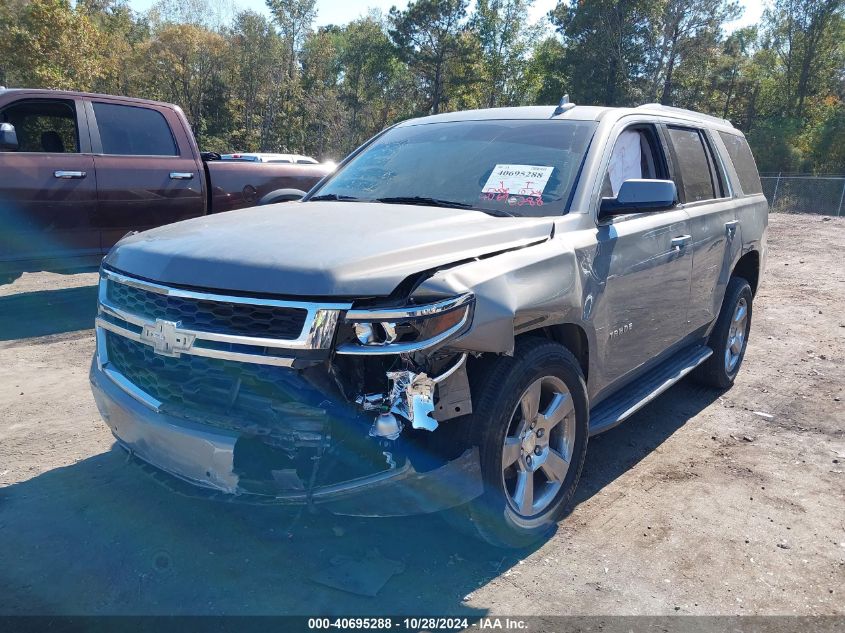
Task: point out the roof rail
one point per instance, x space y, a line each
685 112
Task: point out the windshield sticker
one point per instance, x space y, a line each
517 184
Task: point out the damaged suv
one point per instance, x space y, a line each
443 322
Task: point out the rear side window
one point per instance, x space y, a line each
132 131
693 164
743 162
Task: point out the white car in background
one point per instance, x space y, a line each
296 159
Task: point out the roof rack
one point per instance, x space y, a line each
684 112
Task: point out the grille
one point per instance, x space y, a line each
262 399
210 316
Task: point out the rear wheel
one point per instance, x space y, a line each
531 426
729 337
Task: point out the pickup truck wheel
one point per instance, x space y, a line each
530 423
729 337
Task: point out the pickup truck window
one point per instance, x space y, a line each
534 164
743 162
133 131
44 125
694 165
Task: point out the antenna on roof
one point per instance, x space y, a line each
563 106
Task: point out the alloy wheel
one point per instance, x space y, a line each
538 446
736 335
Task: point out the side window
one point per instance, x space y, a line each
743 162
44 125
693 164
133 131
635 155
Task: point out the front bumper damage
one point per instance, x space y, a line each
205 457
288 402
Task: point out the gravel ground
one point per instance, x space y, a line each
702 503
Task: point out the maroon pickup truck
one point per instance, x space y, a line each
78 171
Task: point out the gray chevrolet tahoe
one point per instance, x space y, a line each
442 323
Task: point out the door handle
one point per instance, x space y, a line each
181 175
730 227
679 242
60 173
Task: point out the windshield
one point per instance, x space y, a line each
521 168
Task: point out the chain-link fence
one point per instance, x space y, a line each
823 195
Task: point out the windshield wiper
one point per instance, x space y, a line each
422 200
437 202
333 196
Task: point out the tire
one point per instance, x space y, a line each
502 386
720 370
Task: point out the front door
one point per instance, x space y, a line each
646 264
145 178
48 188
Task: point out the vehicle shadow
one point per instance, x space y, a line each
102 537
45 312
616 451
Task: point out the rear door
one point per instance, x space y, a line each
48 188
709 203
148 173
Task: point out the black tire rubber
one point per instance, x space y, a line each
712 372
497 387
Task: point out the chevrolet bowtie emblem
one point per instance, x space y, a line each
166 337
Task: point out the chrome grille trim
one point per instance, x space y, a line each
119 379
317 331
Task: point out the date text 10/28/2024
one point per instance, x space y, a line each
417 624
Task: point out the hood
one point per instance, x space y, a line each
318 249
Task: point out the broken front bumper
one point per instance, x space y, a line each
204 457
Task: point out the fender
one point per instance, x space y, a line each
281 195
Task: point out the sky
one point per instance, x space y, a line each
343 11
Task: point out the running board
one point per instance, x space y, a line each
639 393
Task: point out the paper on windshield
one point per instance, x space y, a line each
518 180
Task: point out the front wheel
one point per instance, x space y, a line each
531 426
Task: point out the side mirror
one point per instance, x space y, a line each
8 138
636 195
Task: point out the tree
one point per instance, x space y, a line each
50 44
687 30
428 36
806 34
255 48
546 76
185 60
373 87
251 82
506 40
294 19
607 48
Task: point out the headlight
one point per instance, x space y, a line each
400 330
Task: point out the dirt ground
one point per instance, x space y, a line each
702 503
